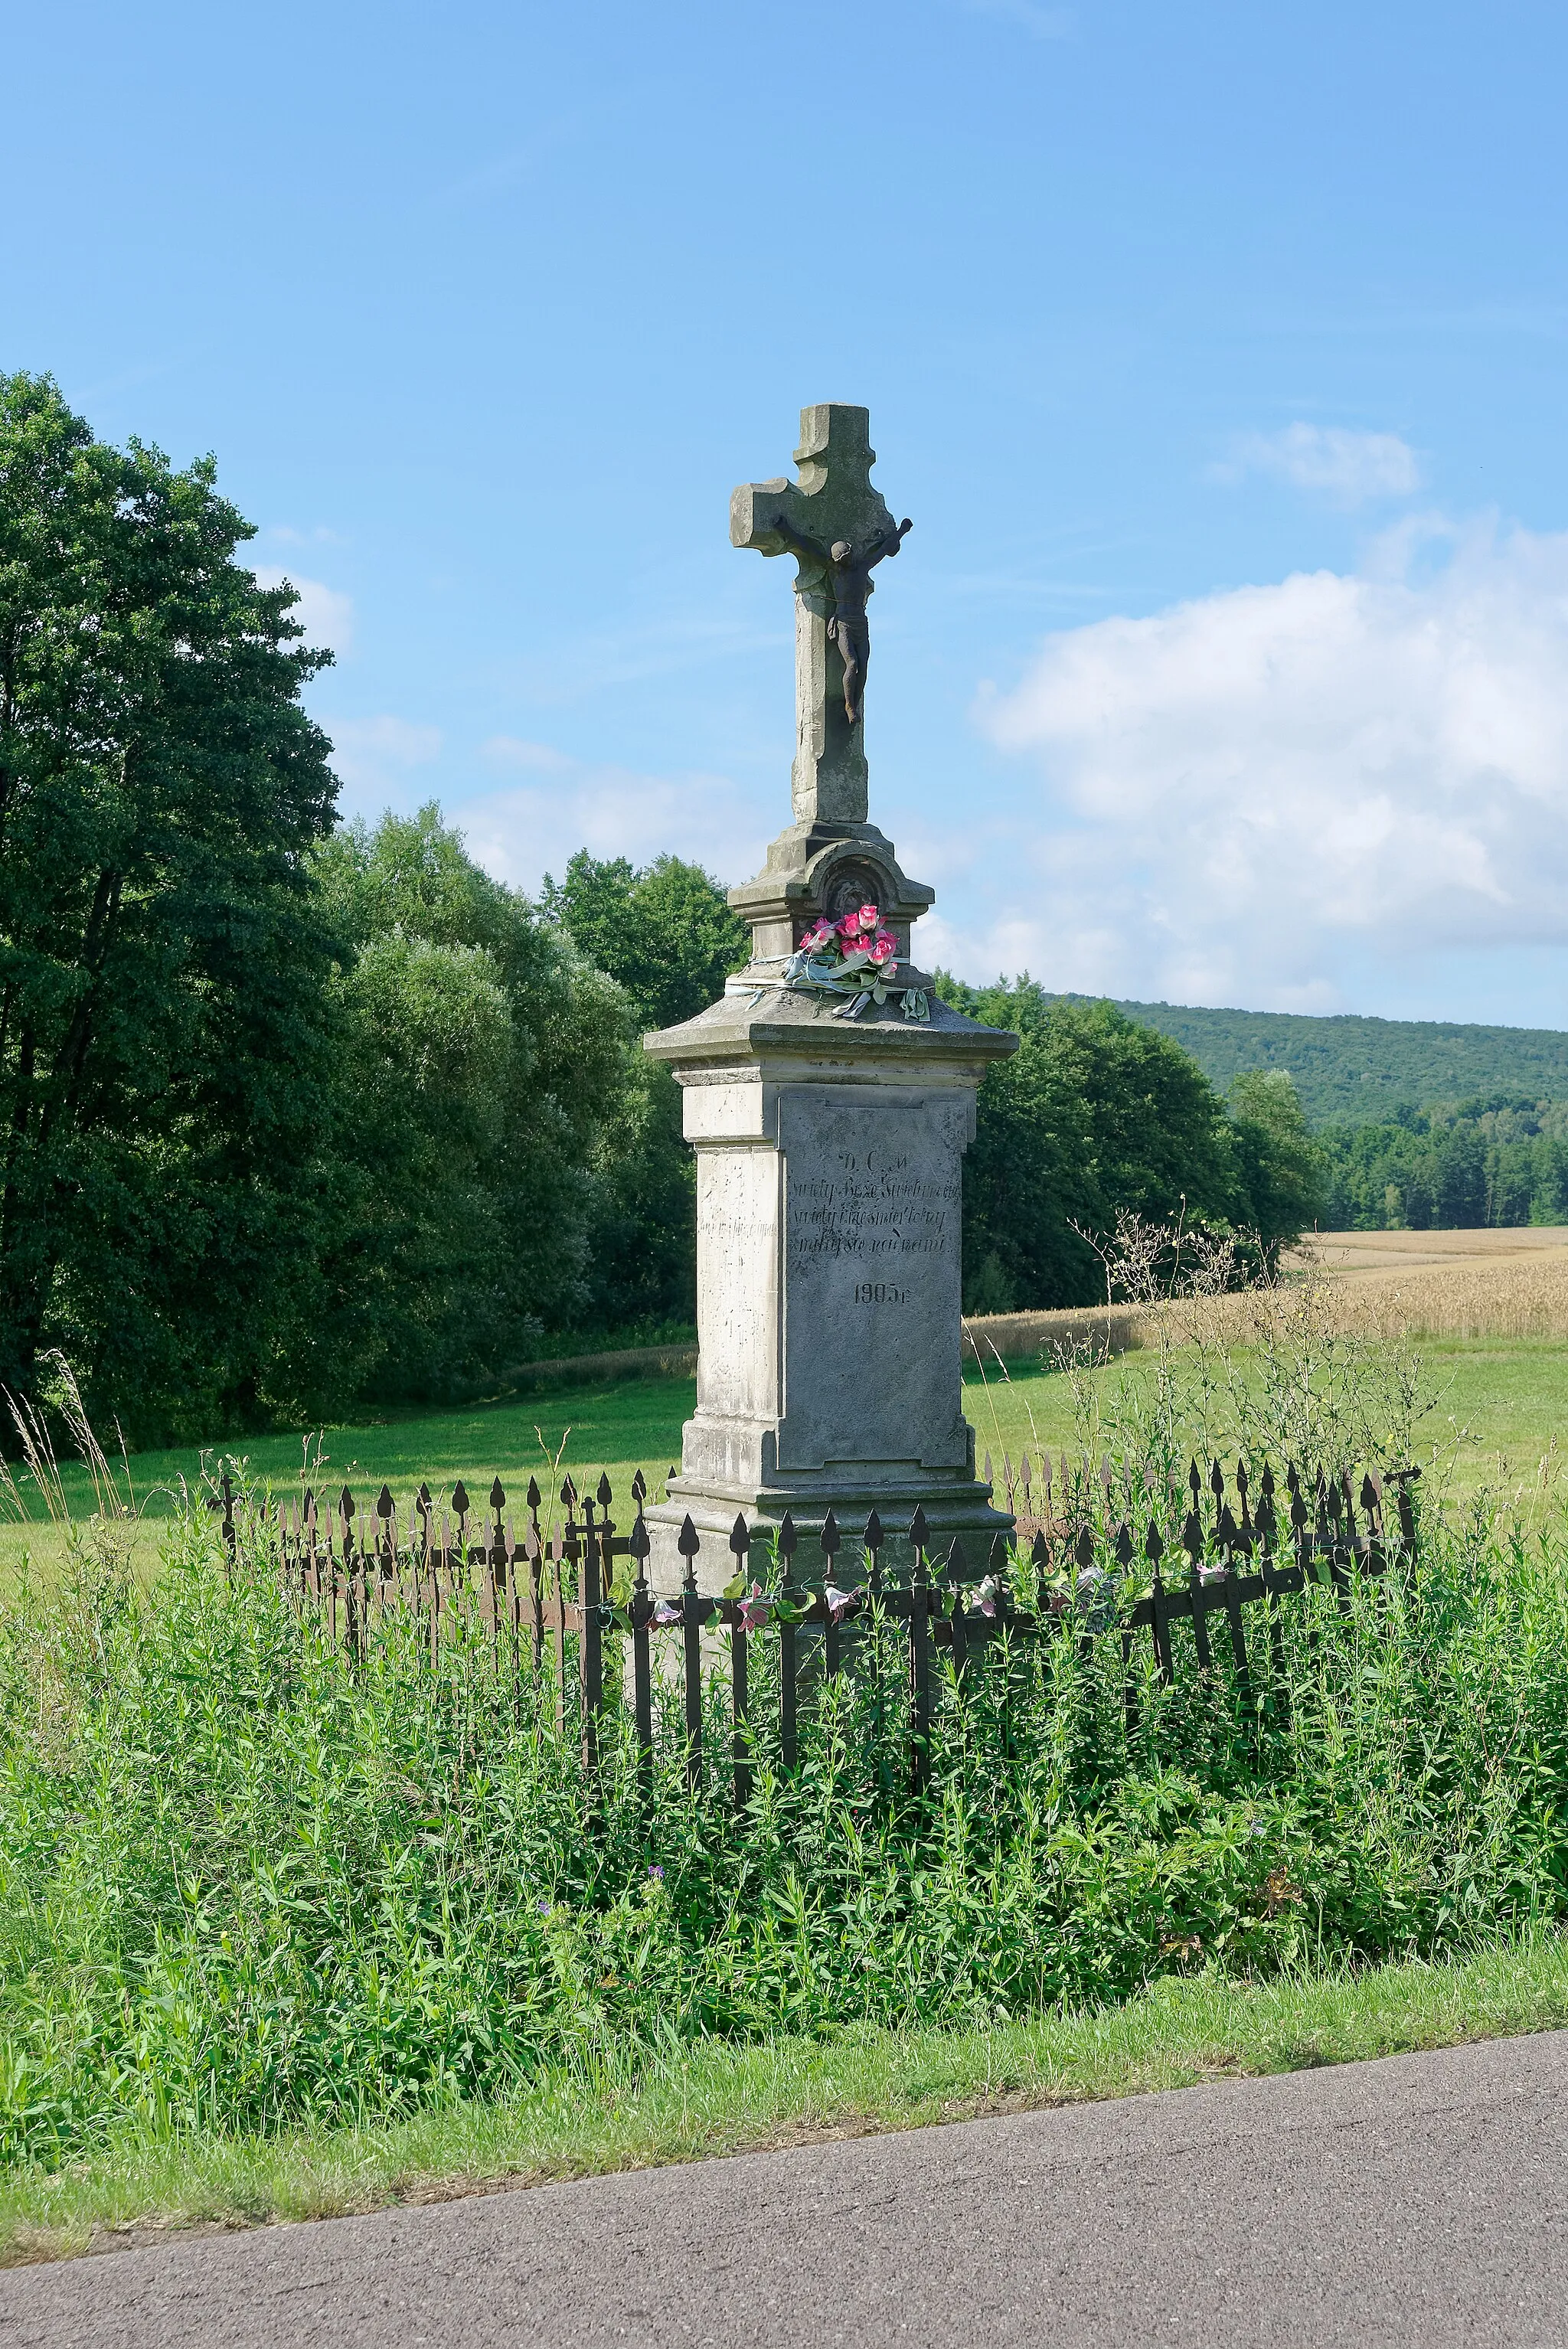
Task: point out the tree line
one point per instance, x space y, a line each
297 1116
1499 1159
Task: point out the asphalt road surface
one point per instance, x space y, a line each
1420 2200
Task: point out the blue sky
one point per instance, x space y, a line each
1217 351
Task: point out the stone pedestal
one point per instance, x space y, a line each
829 1193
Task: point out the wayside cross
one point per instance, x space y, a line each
838 527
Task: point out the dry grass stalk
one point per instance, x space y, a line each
43 1468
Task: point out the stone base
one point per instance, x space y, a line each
829 1189
961 1512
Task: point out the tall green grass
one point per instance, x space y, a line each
250 1883
623 2107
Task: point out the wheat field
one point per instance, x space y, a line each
1469 1284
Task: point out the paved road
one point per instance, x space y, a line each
1418 2201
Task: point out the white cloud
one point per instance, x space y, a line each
325 615
371 755
1352 467
521 831
1246 791
532 758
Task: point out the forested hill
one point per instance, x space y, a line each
1357 1067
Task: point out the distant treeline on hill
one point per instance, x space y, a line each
1423 1125
1355 1069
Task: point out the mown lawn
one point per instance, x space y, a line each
1498 1407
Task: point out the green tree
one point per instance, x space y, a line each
1283 1172
161 997
1091 1114
667 935
480 1060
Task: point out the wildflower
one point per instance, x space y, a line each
656 1872
838 1601
756 1611
668 1610
986 1596
544 1910
1279 1892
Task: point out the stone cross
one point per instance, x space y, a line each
833 500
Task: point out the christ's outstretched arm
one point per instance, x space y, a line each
888 543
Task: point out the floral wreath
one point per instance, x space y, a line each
855 959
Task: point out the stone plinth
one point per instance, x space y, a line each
829 1193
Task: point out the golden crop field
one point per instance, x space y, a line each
1474 1284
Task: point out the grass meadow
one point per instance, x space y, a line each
1494 1418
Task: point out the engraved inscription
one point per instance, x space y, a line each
874 1206
870 1262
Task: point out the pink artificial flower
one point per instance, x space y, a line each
818 935
849 928
868 917
883 950
756 1611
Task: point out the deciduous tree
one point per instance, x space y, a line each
161 973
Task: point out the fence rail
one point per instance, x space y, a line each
553 1587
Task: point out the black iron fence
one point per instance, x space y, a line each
568 1595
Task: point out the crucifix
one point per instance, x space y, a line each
838 528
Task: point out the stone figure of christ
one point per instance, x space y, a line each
851 575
